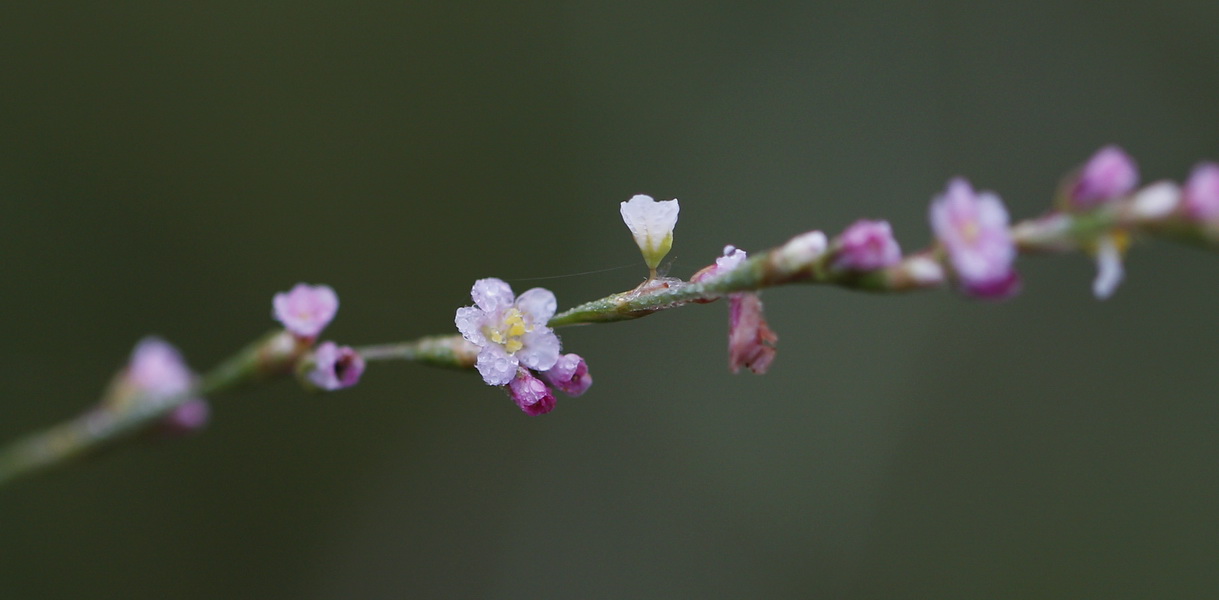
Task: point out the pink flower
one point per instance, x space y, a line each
529 393
307 309
157 369
974 230
1109 174
335 367
569 375
509 331
867 246
1201 201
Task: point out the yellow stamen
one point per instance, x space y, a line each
508 334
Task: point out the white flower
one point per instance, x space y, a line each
652 224
510 331
1109 271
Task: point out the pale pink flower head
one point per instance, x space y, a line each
307 309
510 331
569 375
1201 195
157 369
530 393
335 367
974 230
867 246
1109 174
157 372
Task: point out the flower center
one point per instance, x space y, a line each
508 333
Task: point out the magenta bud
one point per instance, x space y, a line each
188 418
569 375
530 393
1109 174
1201 194
334 367
867 246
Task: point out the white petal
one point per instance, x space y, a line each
538 304
1109 271
651 223
470 321
496 367
541 349
491 294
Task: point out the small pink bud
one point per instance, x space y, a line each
335 367
186 419
1109 174
569 375
307 309
867 246
751 343
1201 200
530 393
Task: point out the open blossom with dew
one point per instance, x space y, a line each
531 394
569 375
866 246
510 331
335 367
306 310
652 224
1109 174
1201 193
974 230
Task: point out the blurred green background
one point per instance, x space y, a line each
166 167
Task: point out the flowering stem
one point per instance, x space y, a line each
796 261
102 426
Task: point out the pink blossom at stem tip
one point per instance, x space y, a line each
306 310
973 227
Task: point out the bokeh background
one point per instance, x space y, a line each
165 167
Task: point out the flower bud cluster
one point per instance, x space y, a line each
305 311
515 344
